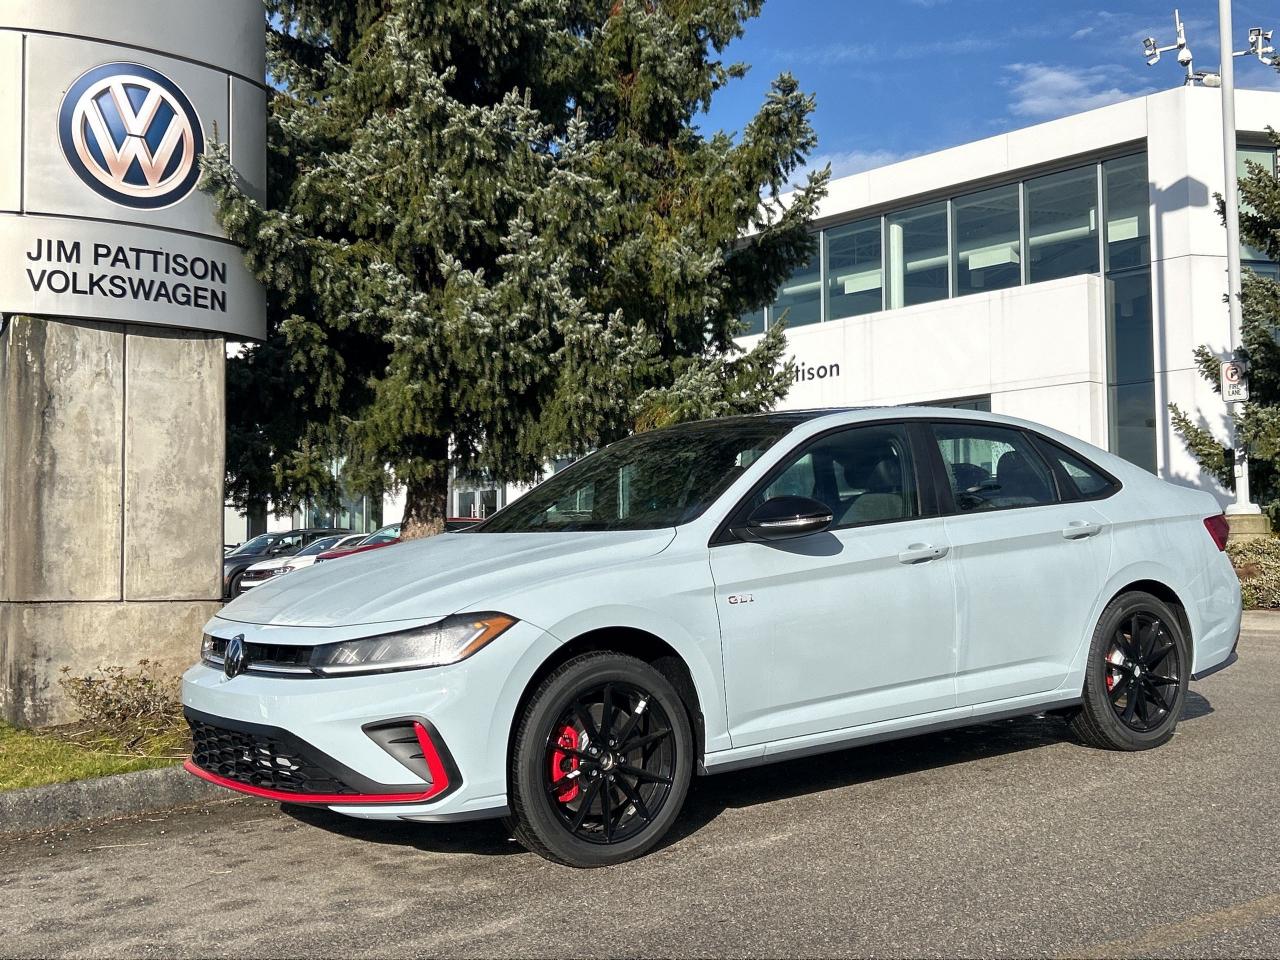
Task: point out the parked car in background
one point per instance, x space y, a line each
307 557
382 537
717 595
264 570
283 543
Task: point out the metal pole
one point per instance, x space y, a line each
1232 202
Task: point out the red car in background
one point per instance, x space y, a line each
386 536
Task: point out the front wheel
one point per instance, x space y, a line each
601 761
1136 679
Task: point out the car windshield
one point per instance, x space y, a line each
319 546
650 480
381 536
254 546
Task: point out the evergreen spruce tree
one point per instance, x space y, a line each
1257 421
494 233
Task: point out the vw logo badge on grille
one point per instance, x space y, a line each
236 660
131 135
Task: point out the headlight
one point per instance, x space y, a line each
288 569
452 639
211 650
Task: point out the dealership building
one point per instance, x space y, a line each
1063 273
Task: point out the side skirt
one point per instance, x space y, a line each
855 739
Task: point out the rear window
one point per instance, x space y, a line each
1086 481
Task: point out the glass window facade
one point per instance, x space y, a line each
1264 157
800 296
1094 218
855 270
919 264
1062 224
1039 229
1126 196
988 240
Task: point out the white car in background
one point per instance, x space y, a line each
265 570
713 596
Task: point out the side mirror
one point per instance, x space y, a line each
783 518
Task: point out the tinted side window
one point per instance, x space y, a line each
864 475
1086 479
993 468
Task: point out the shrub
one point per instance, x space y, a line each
137 712
1258 563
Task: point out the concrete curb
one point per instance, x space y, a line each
36 809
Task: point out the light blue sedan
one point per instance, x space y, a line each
712 596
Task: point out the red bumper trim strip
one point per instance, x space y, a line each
329 799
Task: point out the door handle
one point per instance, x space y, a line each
1081 530
922 553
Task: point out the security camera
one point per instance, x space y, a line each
1184 56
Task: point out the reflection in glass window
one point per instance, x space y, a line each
1128 212
988 241
801 295
1130 377
1133 422
1264 157
918 258
754 321
855 269
1062 224
1129 334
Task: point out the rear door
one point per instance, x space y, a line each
1030 557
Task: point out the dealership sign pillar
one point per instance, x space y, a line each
118 292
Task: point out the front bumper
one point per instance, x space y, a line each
269 762
467 707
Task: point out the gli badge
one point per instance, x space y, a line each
736 598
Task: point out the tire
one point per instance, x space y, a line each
235 591
562 761
1134 692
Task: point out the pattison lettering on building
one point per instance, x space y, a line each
124 272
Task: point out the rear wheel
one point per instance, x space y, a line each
601 761
1136 679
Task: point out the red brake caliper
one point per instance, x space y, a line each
1115 657
569 739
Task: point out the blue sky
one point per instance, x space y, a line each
901 77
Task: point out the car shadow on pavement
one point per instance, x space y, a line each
479 837
711 796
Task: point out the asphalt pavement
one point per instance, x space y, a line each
1006 839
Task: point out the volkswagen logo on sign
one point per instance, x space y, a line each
235 661
131 135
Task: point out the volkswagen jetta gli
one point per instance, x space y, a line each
716 595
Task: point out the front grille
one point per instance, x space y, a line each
267 657
259 760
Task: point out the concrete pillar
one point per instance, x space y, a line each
111 450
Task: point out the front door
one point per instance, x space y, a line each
847 627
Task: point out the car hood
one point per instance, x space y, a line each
434 577
271 564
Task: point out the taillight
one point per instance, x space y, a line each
1218 529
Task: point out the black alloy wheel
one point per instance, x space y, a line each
1136 677
610 762
601 761
1143 672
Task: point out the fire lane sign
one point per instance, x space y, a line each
1235 383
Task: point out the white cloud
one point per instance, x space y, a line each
1082 33
856 161
1042 91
